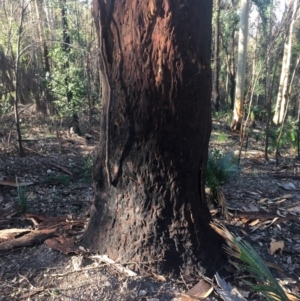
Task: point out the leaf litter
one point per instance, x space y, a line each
46 263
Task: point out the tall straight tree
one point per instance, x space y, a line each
229 23
238 109
285 69
46 105
216 70
150 207
23 7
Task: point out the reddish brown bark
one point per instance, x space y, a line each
155 214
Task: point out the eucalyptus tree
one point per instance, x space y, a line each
229 21
149 207
216 68
23 7
282 95
45 104
238 110
15 35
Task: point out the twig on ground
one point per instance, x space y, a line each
117 266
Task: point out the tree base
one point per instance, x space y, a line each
235 125
148 244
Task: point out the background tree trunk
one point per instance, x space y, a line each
154 213
285 70
216 96
17 84
238 110
46 105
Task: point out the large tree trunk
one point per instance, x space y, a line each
150 206
238 110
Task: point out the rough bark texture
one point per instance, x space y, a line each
154 214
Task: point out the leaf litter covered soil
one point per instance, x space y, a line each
38 257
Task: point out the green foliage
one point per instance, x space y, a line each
222 137
258 112
289 135
223 115
220 168
58 179
263 7
21 201
266 284
67 84
251 262
218 115
87 170
5 106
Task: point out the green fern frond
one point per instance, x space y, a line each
252 263
220 168
257 269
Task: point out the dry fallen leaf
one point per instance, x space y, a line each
254 208
295 209
12 182
280 201
254 193
202 289
226 291
262 200
287 186
269 223
288 196
254 223
276 245
63 244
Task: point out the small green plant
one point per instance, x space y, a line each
87 170
222 137
258 112
273 134
219 115
229 116
252 263
21 201
223 115
289 135
220 168
58 179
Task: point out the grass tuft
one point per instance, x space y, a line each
87 170
21 201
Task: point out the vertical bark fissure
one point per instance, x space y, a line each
107 95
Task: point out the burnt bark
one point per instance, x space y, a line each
154 214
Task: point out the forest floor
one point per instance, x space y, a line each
41 220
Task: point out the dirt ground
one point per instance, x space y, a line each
262 201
